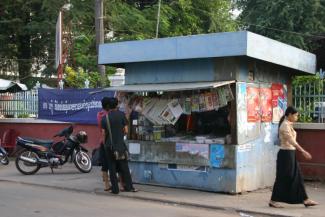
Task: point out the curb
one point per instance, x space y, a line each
156 200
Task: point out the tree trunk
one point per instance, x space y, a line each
24 48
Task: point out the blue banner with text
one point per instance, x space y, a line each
71 105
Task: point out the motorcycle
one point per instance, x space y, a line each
37 153
3 156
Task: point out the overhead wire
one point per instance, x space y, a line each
208 12
235 20
282 30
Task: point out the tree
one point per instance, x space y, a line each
290 21
136 20
132 20
26 34
77 78
80 22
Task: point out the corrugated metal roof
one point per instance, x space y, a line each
207 46
169 87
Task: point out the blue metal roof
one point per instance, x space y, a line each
206 46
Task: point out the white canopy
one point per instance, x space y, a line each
11 86
169 86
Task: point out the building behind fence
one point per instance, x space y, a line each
20 104
309 99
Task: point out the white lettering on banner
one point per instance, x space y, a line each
64 106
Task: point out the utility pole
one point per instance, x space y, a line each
99 28
158 18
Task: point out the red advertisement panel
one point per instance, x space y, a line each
253 108
279 101
266 104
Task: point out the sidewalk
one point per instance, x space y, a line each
252 203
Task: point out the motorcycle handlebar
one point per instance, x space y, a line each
66 132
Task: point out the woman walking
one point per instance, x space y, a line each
289 184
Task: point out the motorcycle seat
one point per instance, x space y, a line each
42 142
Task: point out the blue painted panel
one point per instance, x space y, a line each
217 155
227 68
212 45
270 73
218 180
185 47
264 72
255 168
273 51
256 160
206 46
243 69
170 71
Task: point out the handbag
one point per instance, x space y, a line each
96 157
117 153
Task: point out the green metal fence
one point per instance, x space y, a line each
21 104
309 99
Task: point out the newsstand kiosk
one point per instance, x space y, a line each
203 110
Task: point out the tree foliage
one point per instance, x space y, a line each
290 21
26 34
137 19
77 78
27 37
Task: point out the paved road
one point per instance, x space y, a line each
31 201
70 179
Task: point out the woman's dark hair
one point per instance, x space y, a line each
112 103
105 103
289 110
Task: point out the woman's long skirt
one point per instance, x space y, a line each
289 184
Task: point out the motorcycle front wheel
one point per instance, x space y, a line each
83 162
27 167
4 160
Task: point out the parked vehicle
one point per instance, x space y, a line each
37 153
3 156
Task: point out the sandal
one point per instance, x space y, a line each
309 203
275 205
131 190
108 189
134 190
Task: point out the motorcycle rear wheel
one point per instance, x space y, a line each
22 166
4 160
83 162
